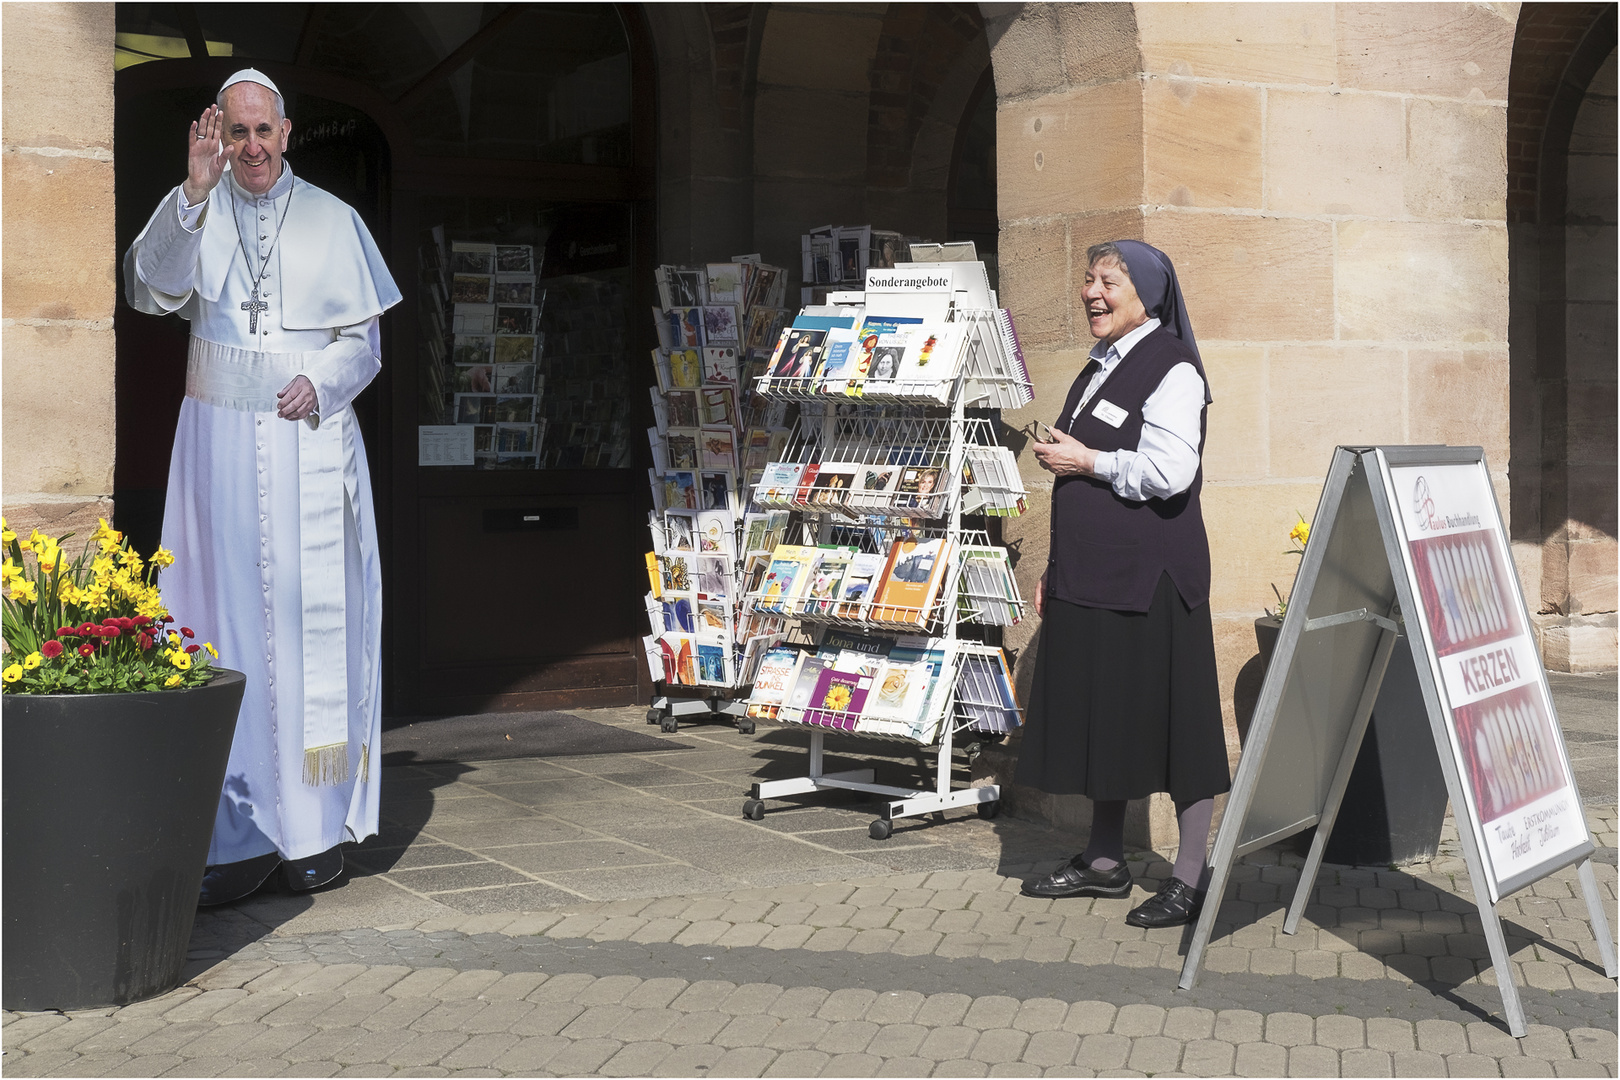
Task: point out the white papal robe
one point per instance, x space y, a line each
271 520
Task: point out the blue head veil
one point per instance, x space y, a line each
1154 277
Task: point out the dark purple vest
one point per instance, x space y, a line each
1108 552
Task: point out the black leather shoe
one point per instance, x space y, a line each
302 875
1173 905
1080 879
226 882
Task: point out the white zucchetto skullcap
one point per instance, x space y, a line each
252 75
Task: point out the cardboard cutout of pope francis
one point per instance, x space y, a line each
269 509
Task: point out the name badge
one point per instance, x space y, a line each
1109 413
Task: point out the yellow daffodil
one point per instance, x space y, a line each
162 558
32 661
9 571
1300 532
174 680
108 537
211 650
6 535
24 591
12 673
48 551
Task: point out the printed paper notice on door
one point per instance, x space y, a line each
444 444
1509 752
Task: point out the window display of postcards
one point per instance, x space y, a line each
538 366
716 325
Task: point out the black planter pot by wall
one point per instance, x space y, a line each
1395 804
109 803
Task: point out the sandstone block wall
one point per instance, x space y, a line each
56 169
1330 181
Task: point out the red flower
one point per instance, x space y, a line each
146 642
87 649
193 648
68 631
110 631
51 650
168 618
144 621
123 622
89 629
185 632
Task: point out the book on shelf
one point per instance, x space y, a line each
801 687
786 578
855 594
772 681
911 581
827 578
894 706
837 699
779 483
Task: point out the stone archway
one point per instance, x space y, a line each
1561 220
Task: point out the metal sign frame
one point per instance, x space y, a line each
1351 598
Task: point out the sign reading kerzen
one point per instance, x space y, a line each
1523 806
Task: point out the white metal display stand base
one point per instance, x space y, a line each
666 711
903 802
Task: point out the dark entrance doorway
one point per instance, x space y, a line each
511 580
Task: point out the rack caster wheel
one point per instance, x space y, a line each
669 725
880 829
745 727
988 810
753 809
655 716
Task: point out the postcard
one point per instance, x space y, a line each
714 578
718 448
719 366
516 349
686 368
720 326
475 408
719 405
796 354
472 289
474 379
473 319
518 258
516 408
515 319
716 491
725 284
680 527
686 326
473 349
681 446
680 490
467 257
514 288
713 618
514 379
682 406
716 532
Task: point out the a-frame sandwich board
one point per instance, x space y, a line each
1408 542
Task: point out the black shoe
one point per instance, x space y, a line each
1079 878
302 875
226 882
1173 905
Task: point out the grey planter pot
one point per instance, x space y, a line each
109 803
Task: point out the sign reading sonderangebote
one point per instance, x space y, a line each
1524 808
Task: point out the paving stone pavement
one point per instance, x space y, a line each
647 930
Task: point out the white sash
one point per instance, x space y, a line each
248 381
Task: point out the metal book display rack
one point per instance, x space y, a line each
749 319
925 423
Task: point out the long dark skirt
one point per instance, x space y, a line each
1125 704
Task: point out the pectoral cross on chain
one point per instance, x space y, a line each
253 307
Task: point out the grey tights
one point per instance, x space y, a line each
1106 849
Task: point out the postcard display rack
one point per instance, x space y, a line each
716 325
893 445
